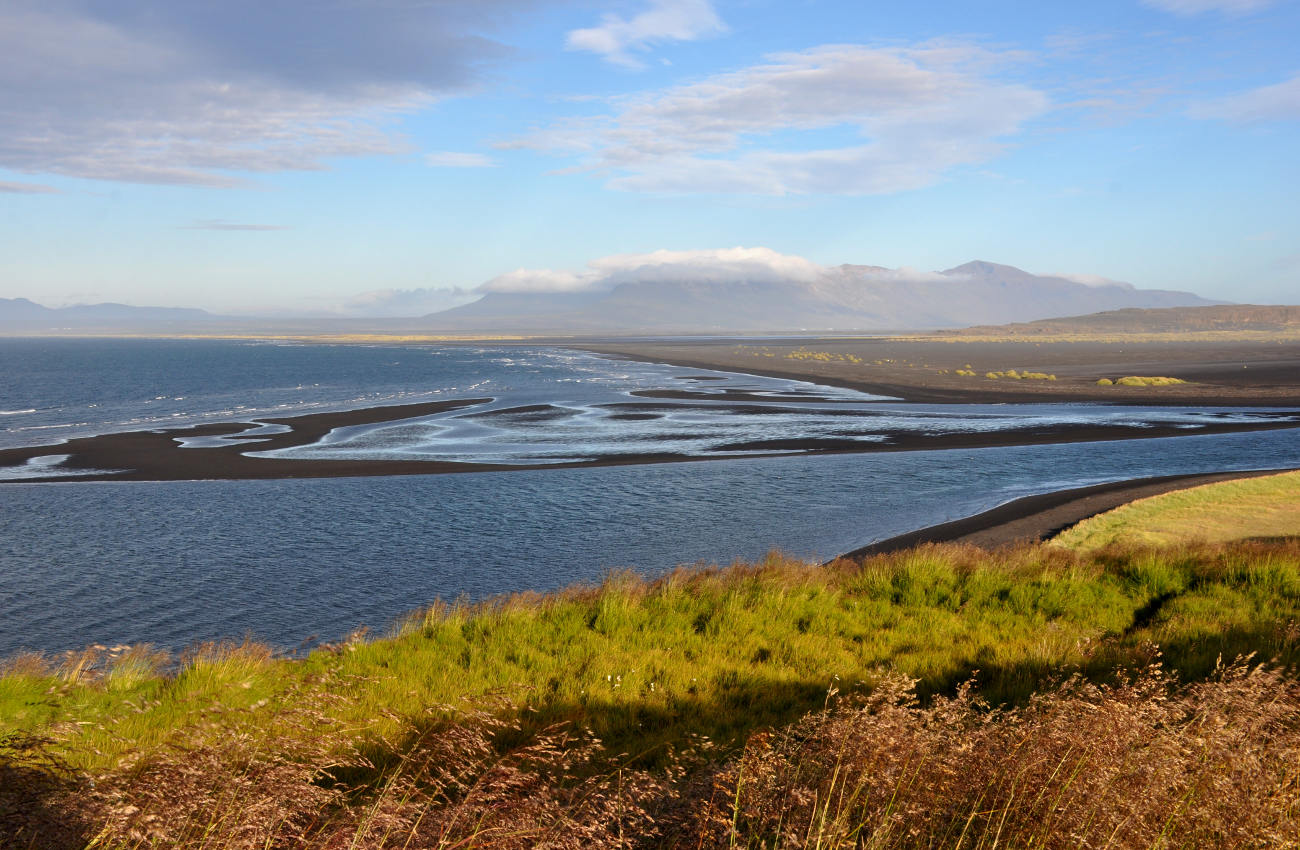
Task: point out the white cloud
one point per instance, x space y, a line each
664 20
1279 102
172 91
707 266
11 188
454 159
1196 7
541 280
912 114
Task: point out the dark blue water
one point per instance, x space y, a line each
56 389
173 563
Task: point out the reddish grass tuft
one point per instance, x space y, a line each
1137 764
1141 763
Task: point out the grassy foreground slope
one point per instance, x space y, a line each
760 703
1229 510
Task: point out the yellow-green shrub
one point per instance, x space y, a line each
1140 381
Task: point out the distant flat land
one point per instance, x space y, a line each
933 369
1239 322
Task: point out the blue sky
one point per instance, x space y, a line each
393 156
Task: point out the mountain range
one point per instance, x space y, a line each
838 298
835 298
21 313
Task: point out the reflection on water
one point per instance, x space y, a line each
172 563
711 420
567 432
548 405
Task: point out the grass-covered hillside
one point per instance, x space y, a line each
1267 507
772 704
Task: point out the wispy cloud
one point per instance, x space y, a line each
381 303
1196 7
918 112
454 159
617 39
706 267
218 224
26 188
160 91
1278 102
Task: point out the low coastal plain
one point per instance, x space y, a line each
947 689
908 699
956 369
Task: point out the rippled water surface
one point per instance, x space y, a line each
546 405
172 563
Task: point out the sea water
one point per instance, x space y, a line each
294 560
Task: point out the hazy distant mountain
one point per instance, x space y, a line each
735 290
840 298
20 309
20 314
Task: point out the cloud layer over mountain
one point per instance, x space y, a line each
756 264
758 289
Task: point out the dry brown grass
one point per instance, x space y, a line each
1141 763
235 748
1132 765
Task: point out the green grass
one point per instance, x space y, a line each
695 661
714 652
1229 510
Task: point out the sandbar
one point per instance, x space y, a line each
1218 374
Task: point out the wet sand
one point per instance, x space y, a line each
1219 374
156 455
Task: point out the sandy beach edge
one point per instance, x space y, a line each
1043 515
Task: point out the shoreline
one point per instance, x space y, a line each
1025 520
1031 519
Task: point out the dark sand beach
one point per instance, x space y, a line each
1217 373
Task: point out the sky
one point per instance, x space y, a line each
397 157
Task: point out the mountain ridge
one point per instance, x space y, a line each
840 298
668 299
